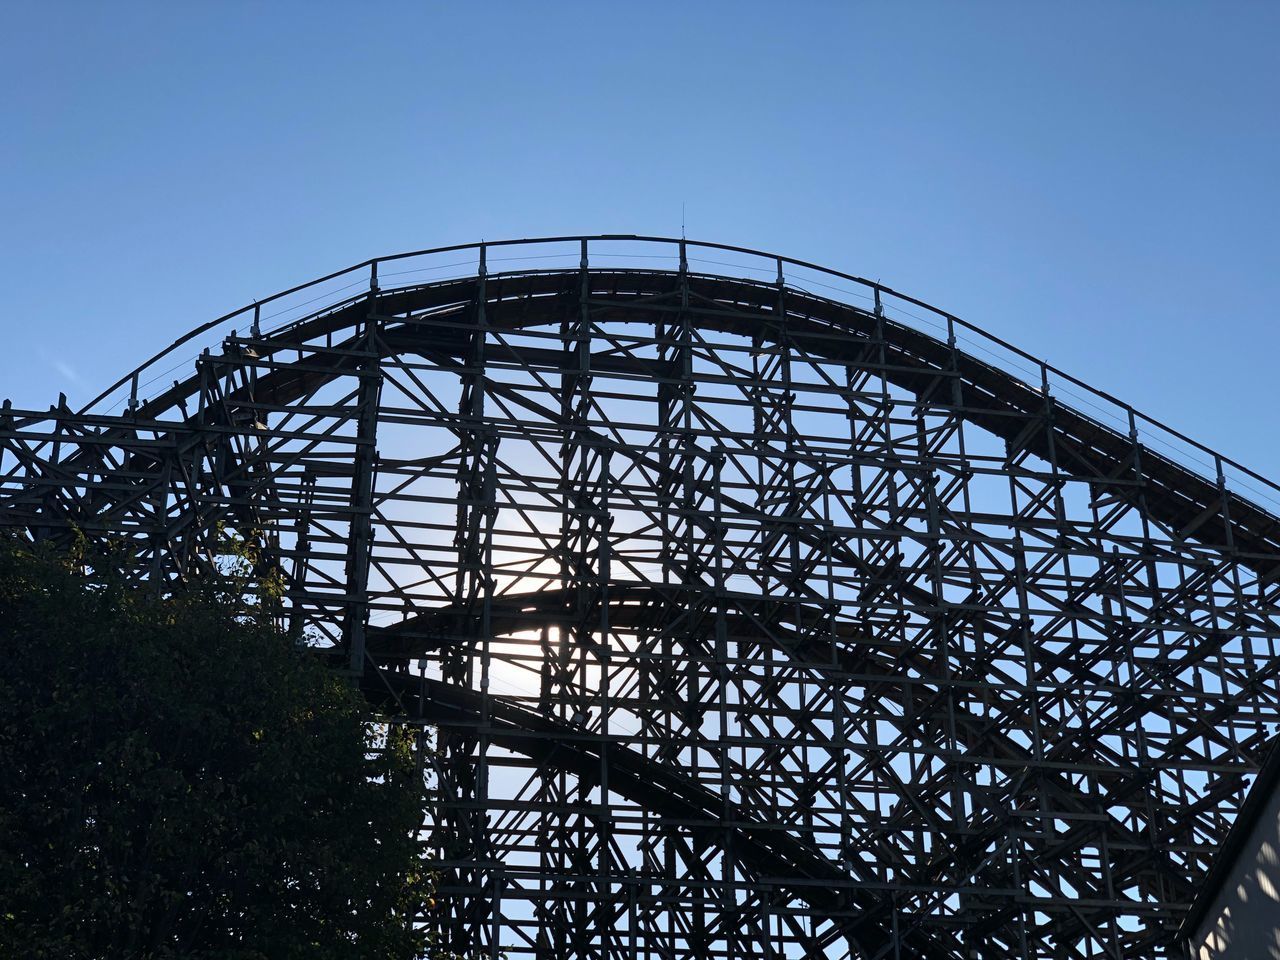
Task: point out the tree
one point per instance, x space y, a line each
180 778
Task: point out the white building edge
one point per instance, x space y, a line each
1236 913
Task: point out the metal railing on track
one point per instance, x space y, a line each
650 252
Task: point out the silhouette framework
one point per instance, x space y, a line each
759 610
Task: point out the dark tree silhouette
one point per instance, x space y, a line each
179 778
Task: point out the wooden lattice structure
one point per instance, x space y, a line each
758 610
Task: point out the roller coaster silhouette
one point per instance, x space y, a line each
758 610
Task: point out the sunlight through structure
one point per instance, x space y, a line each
759 610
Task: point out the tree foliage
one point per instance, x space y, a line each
180 779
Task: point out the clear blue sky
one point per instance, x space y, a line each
1095 182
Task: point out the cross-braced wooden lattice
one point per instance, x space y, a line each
751 622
